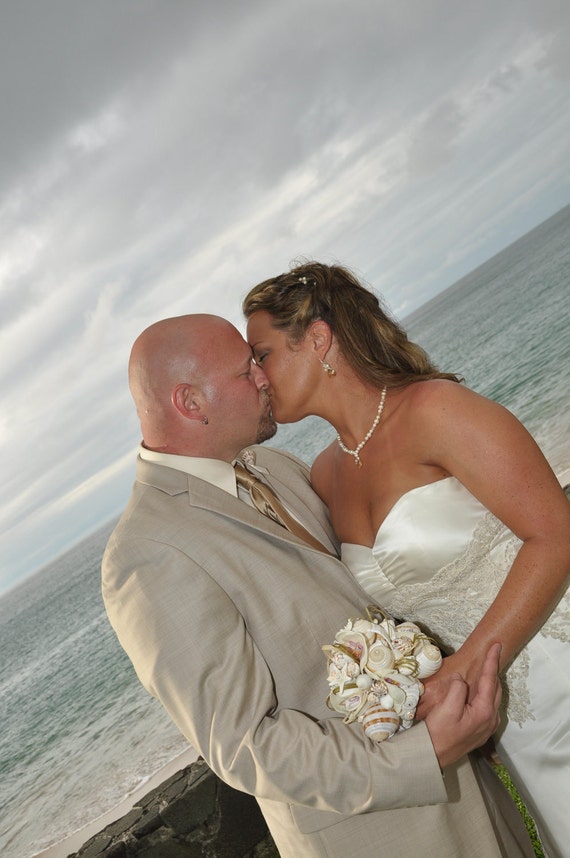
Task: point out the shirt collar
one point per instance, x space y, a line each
214 471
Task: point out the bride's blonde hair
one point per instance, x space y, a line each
372 342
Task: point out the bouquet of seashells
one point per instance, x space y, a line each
375 672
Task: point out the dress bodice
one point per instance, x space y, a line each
439 558
427 528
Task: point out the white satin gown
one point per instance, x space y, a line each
439 559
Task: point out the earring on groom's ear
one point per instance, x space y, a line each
205 421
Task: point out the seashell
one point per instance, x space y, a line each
365 627
355 643
404 645
408 665
348 703
411 702
386 702
363 681
385 631
379 723
378 690
380 658
429 659
403 691
342 666
408 629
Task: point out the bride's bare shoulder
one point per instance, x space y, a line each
437 393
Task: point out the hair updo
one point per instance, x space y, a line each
372 342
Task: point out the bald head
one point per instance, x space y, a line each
169 351
179 374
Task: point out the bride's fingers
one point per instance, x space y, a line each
489 689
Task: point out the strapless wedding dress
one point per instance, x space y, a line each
439 559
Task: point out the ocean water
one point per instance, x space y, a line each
78 731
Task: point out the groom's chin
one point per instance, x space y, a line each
267 429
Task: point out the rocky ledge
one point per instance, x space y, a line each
193 814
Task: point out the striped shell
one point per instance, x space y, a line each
379 723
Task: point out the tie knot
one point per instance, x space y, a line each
243 476
266 501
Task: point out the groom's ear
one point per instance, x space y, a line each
321 336
185 400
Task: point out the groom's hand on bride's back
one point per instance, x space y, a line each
457 726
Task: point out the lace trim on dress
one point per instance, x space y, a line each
452 602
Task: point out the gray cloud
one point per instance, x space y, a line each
159 157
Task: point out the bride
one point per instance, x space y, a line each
447 511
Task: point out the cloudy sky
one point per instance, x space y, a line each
159 157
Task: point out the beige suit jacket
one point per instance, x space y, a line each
223 614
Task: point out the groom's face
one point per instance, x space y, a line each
238 405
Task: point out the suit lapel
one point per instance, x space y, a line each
203 495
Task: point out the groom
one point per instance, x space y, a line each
223 612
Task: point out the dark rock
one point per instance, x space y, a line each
191 815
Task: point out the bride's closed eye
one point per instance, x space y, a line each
260 358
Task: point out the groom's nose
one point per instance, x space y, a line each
259 377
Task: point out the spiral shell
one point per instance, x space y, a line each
379 723
429 659
380 659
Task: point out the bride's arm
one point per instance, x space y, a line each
492 454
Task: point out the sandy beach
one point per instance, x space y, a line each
72 843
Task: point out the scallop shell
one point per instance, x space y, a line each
429 659
379 723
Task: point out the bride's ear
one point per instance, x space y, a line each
321 336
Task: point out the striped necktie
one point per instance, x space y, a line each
267 502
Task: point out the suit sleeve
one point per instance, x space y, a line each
191 649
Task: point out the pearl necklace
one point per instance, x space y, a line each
367 437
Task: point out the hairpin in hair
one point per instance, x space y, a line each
307 280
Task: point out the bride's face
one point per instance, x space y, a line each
291 368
